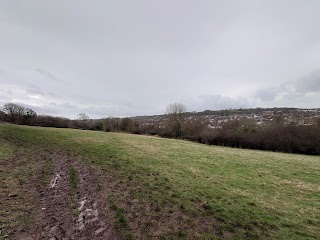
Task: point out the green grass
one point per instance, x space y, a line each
179 189
23 170
74 181
121 221
74 178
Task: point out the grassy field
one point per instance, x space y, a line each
172 189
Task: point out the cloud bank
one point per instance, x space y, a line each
126 58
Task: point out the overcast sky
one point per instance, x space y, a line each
126 58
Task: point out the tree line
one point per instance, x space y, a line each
243 133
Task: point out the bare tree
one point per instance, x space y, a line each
2 115
29 113
83 117
127 124
110 124
14 112
176 117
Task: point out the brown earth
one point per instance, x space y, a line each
53 210
41 203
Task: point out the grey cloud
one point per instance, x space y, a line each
6 91
94 110
214 102
46 74
294 89
34 90
309 83
136 57
269 94
6 95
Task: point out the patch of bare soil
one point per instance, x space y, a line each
68 213
56 221
94 220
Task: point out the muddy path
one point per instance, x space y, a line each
71 205
94 220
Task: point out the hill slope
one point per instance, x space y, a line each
164 189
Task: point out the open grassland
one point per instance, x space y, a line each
24 172
171 189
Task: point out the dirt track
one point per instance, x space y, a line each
68 213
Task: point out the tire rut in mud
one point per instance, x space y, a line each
69 213
94 216
56 218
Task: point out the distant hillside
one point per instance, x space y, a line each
262 116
